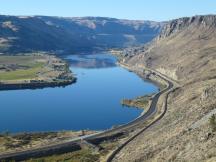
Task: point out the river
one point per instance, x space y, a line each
93 102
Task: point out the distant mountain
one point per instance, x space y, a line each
78 34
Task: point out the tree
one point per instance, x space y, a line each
212 122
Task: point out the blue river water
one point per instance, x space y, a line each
91 103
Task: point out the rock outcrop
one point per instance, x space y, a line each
183 23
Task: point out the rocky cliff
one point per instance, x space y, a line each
178 25
78 34
184 50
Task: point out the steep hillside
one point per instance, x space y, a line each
186 52
42 33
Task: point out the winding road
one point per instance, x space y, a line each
67 146
166 91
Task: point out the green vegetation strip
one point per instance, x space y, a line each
139 102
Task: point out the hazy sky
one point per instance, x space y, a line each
158 10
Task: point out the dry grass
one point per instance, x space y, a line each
22 141
188 55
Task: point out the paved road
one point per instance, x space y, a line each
167 91
67 145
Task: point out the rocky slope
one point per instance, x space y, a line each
42 33
184 49
186 52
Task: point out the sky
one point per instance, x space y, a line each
157 10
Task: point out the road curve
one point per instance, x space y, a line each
65 146
169 89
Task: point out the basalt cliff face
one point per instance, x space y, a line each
75 34
186 52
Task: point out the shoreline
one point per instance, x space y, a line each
159 112
33 86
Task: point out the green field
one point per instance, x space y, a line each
34 67
29 73
19 59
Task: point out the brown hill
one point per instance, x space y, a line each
185 51
75 34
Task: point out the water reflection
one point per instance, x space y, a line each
92 61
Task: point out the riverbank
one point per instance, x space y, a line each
159 102
34 70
